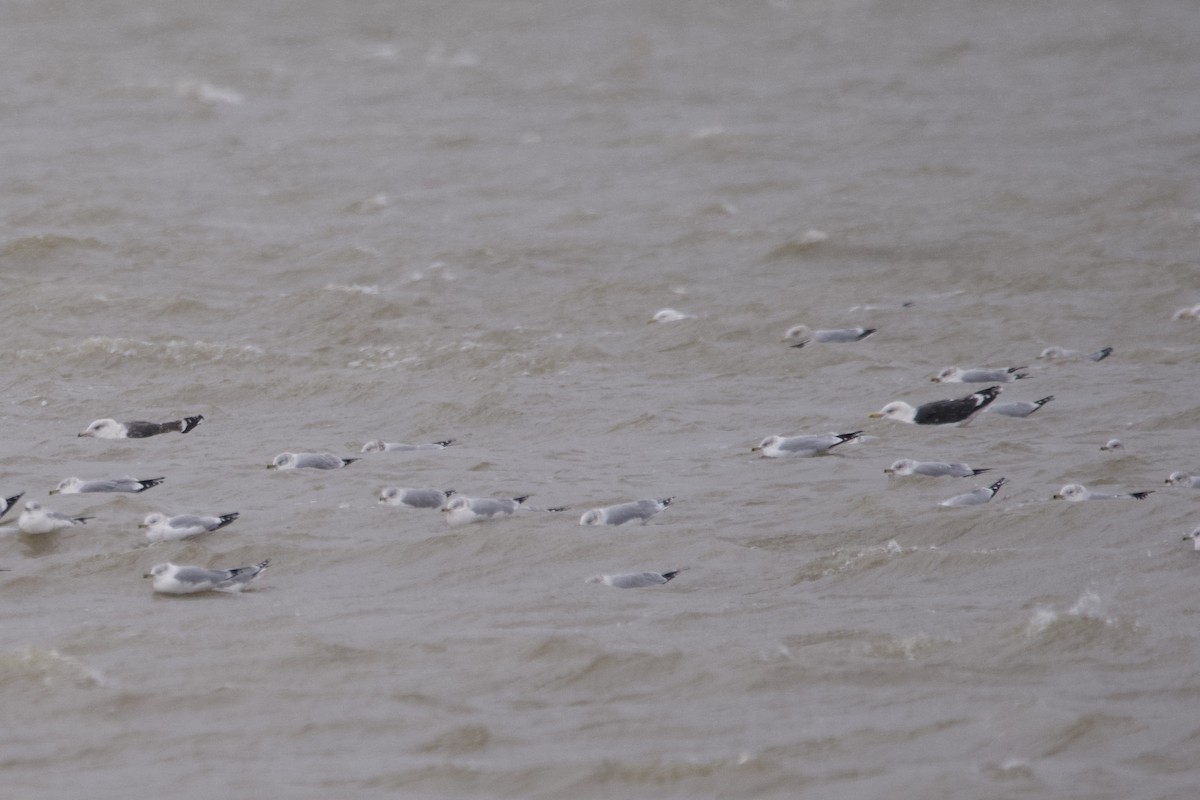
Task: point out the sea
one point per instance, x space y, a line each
320 224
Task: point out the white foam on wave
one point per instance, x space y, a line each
179 351
352 288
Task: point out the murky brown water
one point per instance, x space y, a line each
320 224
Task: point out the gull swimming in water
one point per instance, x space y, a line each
465 510
309 461
161 528
1077 493
414 498
111 429
800 335
804 446
1018 408
175 579
979 375
939 412
634 580
380 446
976 497
132 485
934 469
1183 479
1113 444
625 512
37 520
1063 354
1188 312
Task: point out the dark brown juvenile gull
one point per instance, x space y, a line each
111 429
940 412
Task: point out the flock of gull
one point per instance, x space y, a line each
958 411
179 579
175 579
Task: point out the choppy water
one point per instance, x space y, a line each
319 224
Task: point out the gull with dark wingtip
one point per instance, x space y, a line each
161 528
380 446
130 485
939 412
414 498
634 580
933 469
1018 408
803 446
800 335
36 520
1076 493
176 579
976 497
625 512
979 375
111 429
285 461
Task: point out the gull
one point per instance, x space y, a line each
1184 479
979 375
634 580
939 412
1113 444
380 446
625 512
781 446
161 528
1195 537
1062 353
800 335
1188 312
464 510
6 503
1077 493
936 469
175 579
1018 408
414 498
976 497
132 485
309 461
111 429
36 520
